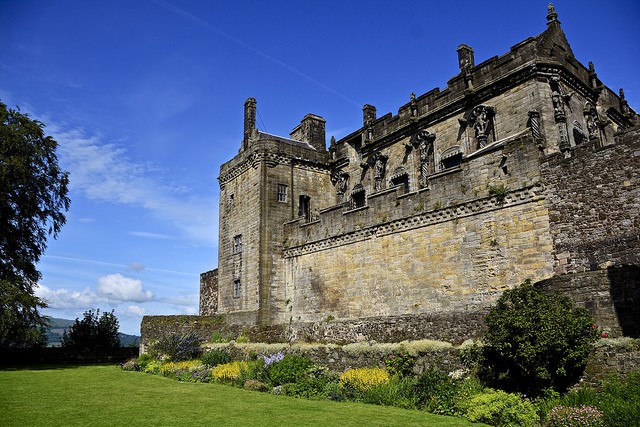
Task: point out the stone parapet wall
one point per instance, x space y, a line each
594 204
612 296
611 358
209 293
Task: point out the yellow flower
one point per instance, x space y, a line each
362 379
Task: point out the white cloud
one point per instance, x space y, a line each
116 287
134 310
65 298
104 172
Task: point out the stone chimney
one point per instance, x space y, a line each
249 120
465 57
368 114
312 130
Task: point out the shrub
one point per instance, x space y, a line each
255 385
229 372
582 416
312 384
130 365
499 409
214 358
398 392
535 341
143 361
400 364
175 348
289 369
359 380
170 369
441 393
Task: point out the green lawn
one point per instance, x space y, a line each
106 395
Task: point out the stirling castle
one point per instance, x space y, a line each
526 166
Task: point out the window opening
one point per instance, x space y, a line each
237 244
282 193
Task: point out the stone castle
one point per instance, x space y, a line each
526 166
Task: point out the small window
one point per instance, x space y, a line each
358 197
237 288
402 180
232 200
304 207
282 193
237 244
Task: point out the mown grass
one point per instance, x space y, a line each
108 396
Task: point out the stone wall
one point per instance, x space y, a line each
209 293
611 358
612 297
594 205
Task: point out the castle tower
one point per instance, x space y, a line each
272 180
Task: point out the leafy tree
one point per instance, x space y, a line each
535 341
93 332
33 202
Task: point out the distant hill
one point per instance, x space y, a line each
58 326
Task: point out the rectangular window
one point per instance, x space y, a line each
282 193
232 200
237 287
237 244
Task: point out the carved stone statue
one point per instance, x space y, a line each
340 180
423 141
481 119
379 165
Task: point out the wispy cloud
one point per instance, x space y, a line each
135 266
104 172
148 235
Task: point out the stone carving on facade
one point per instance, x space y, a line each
594 124
414 107
332 148
559 100
534 124
423 142
379 167
481 118
624 105
340 180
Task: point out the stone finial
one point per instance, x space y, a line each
465 57
552 16
368 114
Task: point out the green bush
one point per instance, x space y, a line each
214 358
143 360
176 348
288 370
400 364
500 409
441 393
535 341
398 392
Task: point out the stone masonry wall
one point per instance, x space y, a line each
612 296
209 293
594 205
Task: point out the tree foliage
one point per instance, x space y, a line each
535 341
33 202
93 332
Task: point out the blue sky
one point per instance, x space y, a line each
145 98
